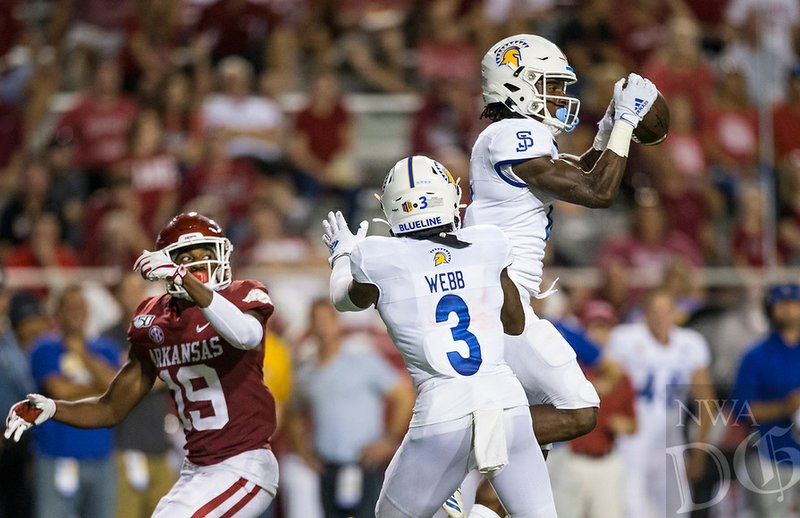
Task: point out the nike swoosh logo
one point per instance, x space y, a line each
199 329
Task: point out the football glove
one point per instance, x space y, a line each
33 411
633 101
157 266
604 128
338 238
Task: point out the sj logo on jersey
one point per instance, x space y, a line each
524 141
440 256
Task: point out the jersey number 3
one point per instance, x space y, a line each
455 304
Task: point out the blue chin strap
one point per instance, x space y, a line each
563 115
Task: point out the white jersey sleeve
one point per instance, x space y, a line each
518 140
357 266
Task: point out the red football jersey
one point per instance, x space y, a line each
219 391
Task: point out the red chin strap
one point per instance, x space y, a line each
201 275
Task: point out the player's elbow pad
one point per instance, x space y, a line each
341 280
239 329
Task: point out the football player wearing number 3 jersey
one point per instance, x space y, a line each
446 298
203 340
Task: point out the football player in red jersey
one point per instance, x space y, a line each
203 339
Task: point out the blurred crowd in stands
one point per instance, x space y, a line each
117 114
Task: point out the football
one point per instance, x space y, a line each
655 124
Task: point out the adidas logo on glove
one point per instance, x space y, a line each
639 105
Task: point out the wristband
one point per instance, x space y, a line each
620 140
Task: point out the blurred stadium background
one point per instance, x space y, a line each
265 114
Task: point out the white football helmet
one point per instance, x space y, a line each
511 70
419 193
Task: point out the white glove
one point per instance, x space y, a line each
633 101
156 266
35 407
338 238
604 128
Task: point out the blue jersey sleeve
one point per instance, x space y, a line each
587 352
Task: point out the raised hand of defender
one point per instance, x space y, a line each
157 266
633 101
34 410
338 238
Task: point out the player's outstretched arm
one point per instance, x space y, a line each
133 381
346 293
131 384
597 187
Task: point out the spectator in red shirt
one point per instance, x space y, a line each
789 220
747 237
119 202
92 25
99 123
153 172
786 120
587 474
731 126
321 145
152 37
679 67
181 118
237 27
651 246
44 247
235 181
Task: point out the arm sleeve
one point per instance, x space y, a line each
342 276
518 141
239 329
340 283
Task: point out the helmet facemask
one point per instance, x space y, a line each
565 117
215 273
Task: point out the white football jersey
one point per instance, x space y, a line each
441 306
660 373
501 198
